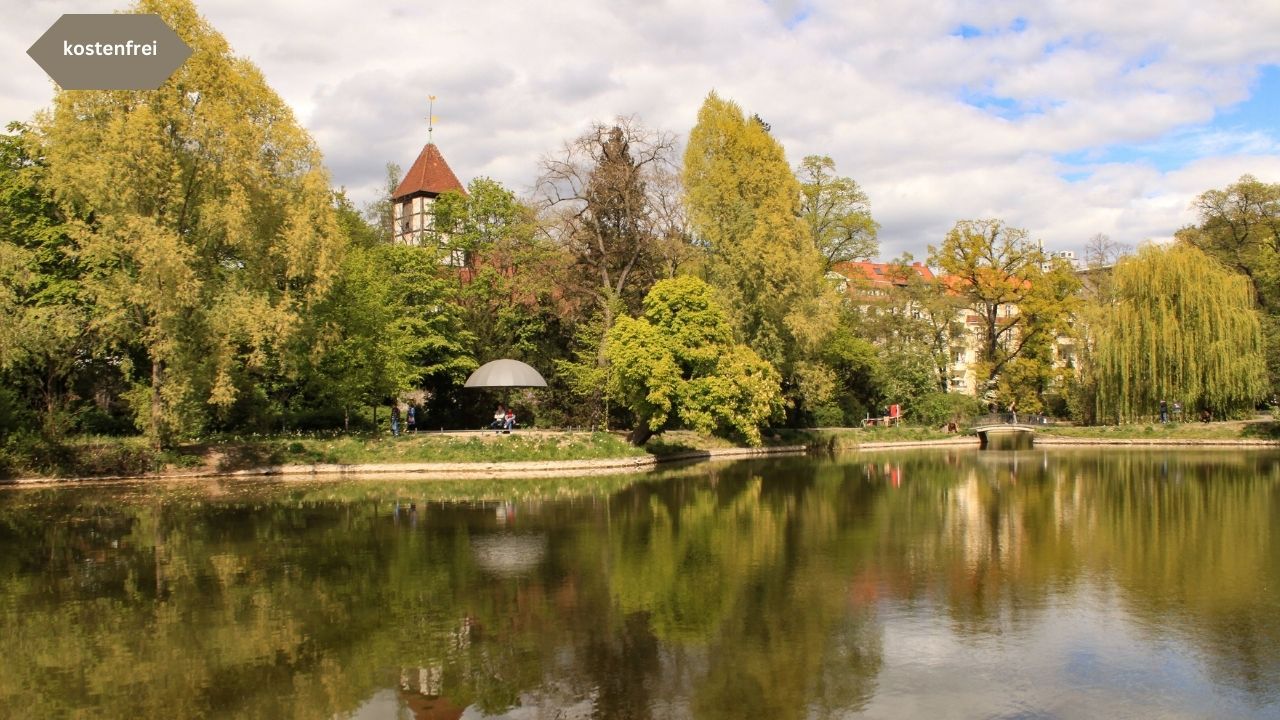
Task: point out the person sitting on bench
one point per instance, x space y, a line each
499 418
509 421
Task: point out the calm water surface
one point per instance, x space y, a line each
924 584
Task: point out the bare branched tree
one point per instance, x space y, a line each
612 198
607 196
1101 251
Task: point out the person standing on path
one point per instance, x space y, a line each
395 419
1164 412
411 420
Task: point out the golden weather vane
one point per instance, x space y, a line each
431 117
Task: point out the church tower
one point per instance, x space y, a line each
428 177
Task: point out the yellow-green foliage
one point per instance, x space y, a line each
744 202
680 360
996 268
211 230
1181 328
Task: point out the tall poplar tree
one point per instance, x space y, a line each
1180 327
744 205
209 231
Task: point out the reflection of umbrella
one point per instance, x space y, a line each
508 554
505 374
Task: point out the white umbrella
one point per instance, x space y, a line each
505 374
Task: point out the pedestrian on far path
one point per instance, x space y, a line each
1164 411
395 419
411 420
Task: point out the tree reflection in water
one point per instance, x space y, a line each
966 583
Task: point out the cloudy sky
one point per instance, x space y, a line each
1067 118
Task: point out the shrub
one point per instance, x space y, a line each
938 408
828 416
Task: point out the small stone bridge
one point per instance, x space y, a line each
1016 427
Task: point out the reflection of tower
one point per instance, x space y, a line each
412 200
422 688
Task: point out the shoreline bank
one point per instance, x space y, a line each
433 471
1063 441
603 466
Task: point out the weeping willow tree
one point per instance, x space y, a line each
1179 327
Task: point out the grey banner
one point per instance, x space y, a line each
109 52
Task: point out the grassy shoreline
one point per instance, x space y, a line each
132 457
1241 430
96 457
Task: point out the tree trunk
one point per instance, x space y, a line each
601 360
640 435
157 414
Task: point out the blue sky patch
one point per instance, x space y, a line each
1250 127
800 16
968 32
1163 154
1261 110
1002 106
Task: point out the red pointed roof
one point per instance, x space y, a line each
429 174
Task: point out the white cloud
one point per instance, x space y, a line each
878 86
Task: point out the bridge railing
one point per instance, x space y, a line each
1012 419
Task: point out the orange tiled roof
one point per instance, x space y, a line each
881 273
429 174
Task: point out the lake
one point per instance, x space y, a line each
934 584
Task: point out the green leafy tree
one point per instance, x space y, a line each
1021 297
211 234
932 320
643 375
679 362
859 371
357 361
390 325
912 315
837 212
511 294
427 338
1181 328
1240 227
42 343
486 214
744 205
